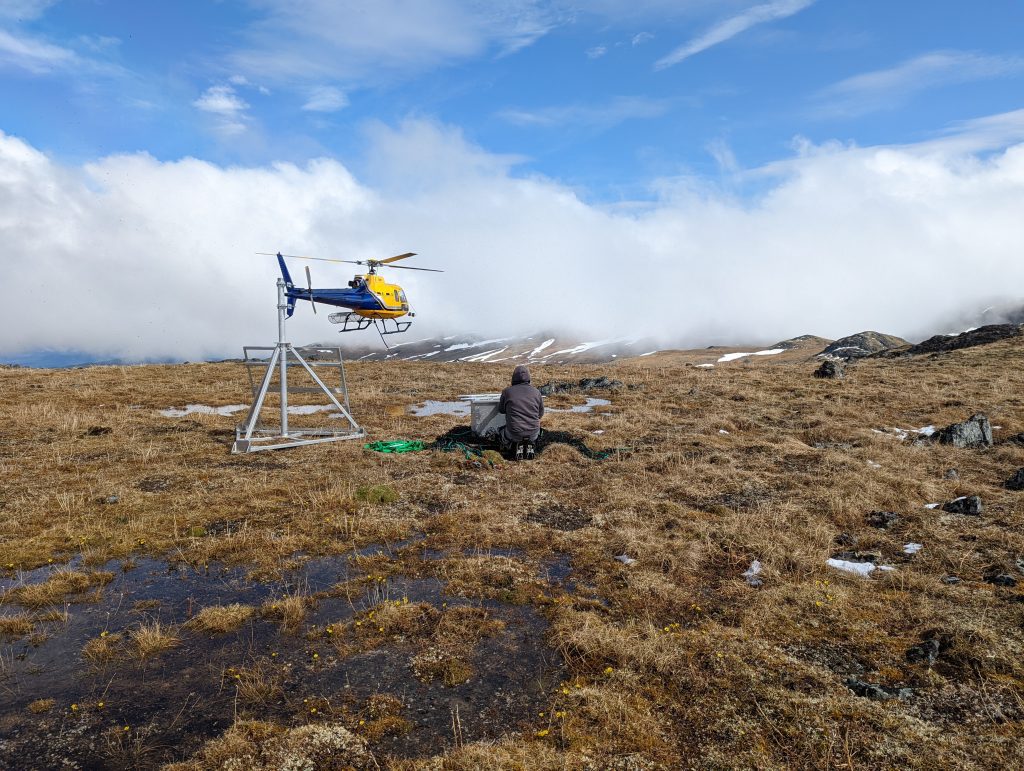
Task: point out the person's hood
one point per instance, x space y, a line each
520 375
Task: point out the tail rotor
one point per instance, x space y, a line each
309 283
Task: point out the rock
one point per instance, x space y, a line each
969 505
998 578
883 519
586 384
845 539
110 500
875 691
1016 439
858 556
951 580
951 474
863 344
925 652
98 430
830 370
1016 482
625 559
976 431
990 333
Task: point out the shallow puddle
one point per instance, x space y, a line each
431 407
586 407
140 713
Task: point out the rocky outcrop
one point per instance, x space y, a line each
1016 482
974 432
991 333
863 344
830 370
969 505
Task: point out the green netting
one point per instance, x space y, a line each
396 446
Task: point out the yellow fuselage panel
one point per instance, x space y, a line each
390 296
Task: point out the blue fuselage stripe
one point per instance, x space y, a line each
356 299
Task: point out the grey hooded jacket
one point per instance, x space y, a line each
522 405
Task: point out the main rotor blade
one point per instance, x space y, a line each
321 259
410 267
396 258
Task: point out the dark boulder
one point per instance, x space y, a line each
990 333
976 431
1015 482
1016 439
830 370
883 519
998 578
969 505
863 344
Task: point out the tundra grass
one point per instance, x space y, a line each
672 661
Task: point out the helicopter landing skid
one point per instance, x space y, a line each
353 322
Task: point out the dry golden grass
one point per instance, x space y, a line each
41 706
56 588
103 649
671 662
289 611
153 638
19 625
221 619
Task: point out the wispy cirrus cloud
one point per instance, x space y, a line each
601 116
33 55
885 89
349 40
733 26
325 99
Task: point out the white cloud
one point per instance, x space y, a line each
604 115
640 38
157 258
596 52
35 56
227 106
325 99
24 10
733 26
887 88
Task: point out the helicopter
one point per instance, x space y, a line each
371 300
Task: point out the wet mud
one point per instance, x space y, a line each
134 712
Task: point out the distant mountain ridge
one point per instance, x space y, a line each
534 349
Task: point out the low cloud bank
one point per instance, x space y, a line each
134 258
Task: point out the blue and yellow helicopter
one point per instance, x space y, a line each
370 299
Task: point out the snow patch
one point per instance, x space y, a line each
862 569
912 548
735 356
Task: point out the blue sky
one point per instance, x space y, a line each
604 96
768 168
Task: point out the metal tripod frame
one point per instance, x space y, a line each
251 437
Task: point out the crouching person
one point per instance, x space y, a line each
523 407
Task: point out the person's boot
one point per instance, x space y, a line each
519 450
529 451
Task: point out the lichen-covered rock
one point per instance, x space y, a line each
830 370
969 505
974 432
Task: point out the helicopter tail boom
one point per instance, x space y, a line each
288 284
